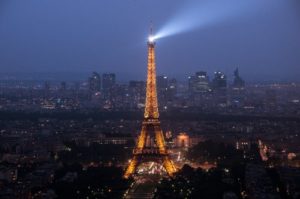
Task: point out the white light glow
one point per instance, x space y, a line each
151 39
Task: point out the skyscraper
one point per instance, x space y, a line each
95 82
199 89
137 93
162 89
108 81
63 86
172 89
237 94
238 82
219 81
166 89
219 84
199 83
162 82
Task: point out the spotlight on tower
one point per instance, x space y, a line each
151 38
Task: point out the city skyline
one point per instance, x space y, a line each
124 78
204 105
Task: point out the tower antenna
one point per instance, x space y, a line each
151 28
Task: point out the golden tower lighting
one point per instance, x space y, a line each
151 125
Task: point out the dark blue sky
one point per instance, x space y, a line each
261 37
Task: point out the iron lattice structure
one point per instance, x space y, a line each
150 143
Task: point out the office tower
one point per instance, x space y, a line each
95 82
238 82
199 83
219 85
237 94
108 81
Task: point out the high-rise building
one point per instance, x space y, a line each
238 82
219 81
166 89
108 81
95 82
172 89
162 89
63 86
162 82
219 84
199 89
109 87
47 86
199 83
237 94
137 93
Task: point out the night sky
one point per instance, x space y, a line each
261 37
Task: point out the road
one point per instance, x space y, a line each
143 187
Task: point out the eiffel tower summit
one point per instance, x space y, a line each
146 150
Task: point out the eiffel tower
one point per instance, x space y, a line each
145 148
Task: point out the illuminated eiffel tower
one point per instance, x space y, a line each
145 148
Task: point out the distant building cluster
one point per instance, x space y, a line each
199 92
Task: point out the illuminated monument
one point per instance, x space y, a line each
146 149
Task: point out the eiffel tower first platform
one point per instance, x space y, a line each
146 149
